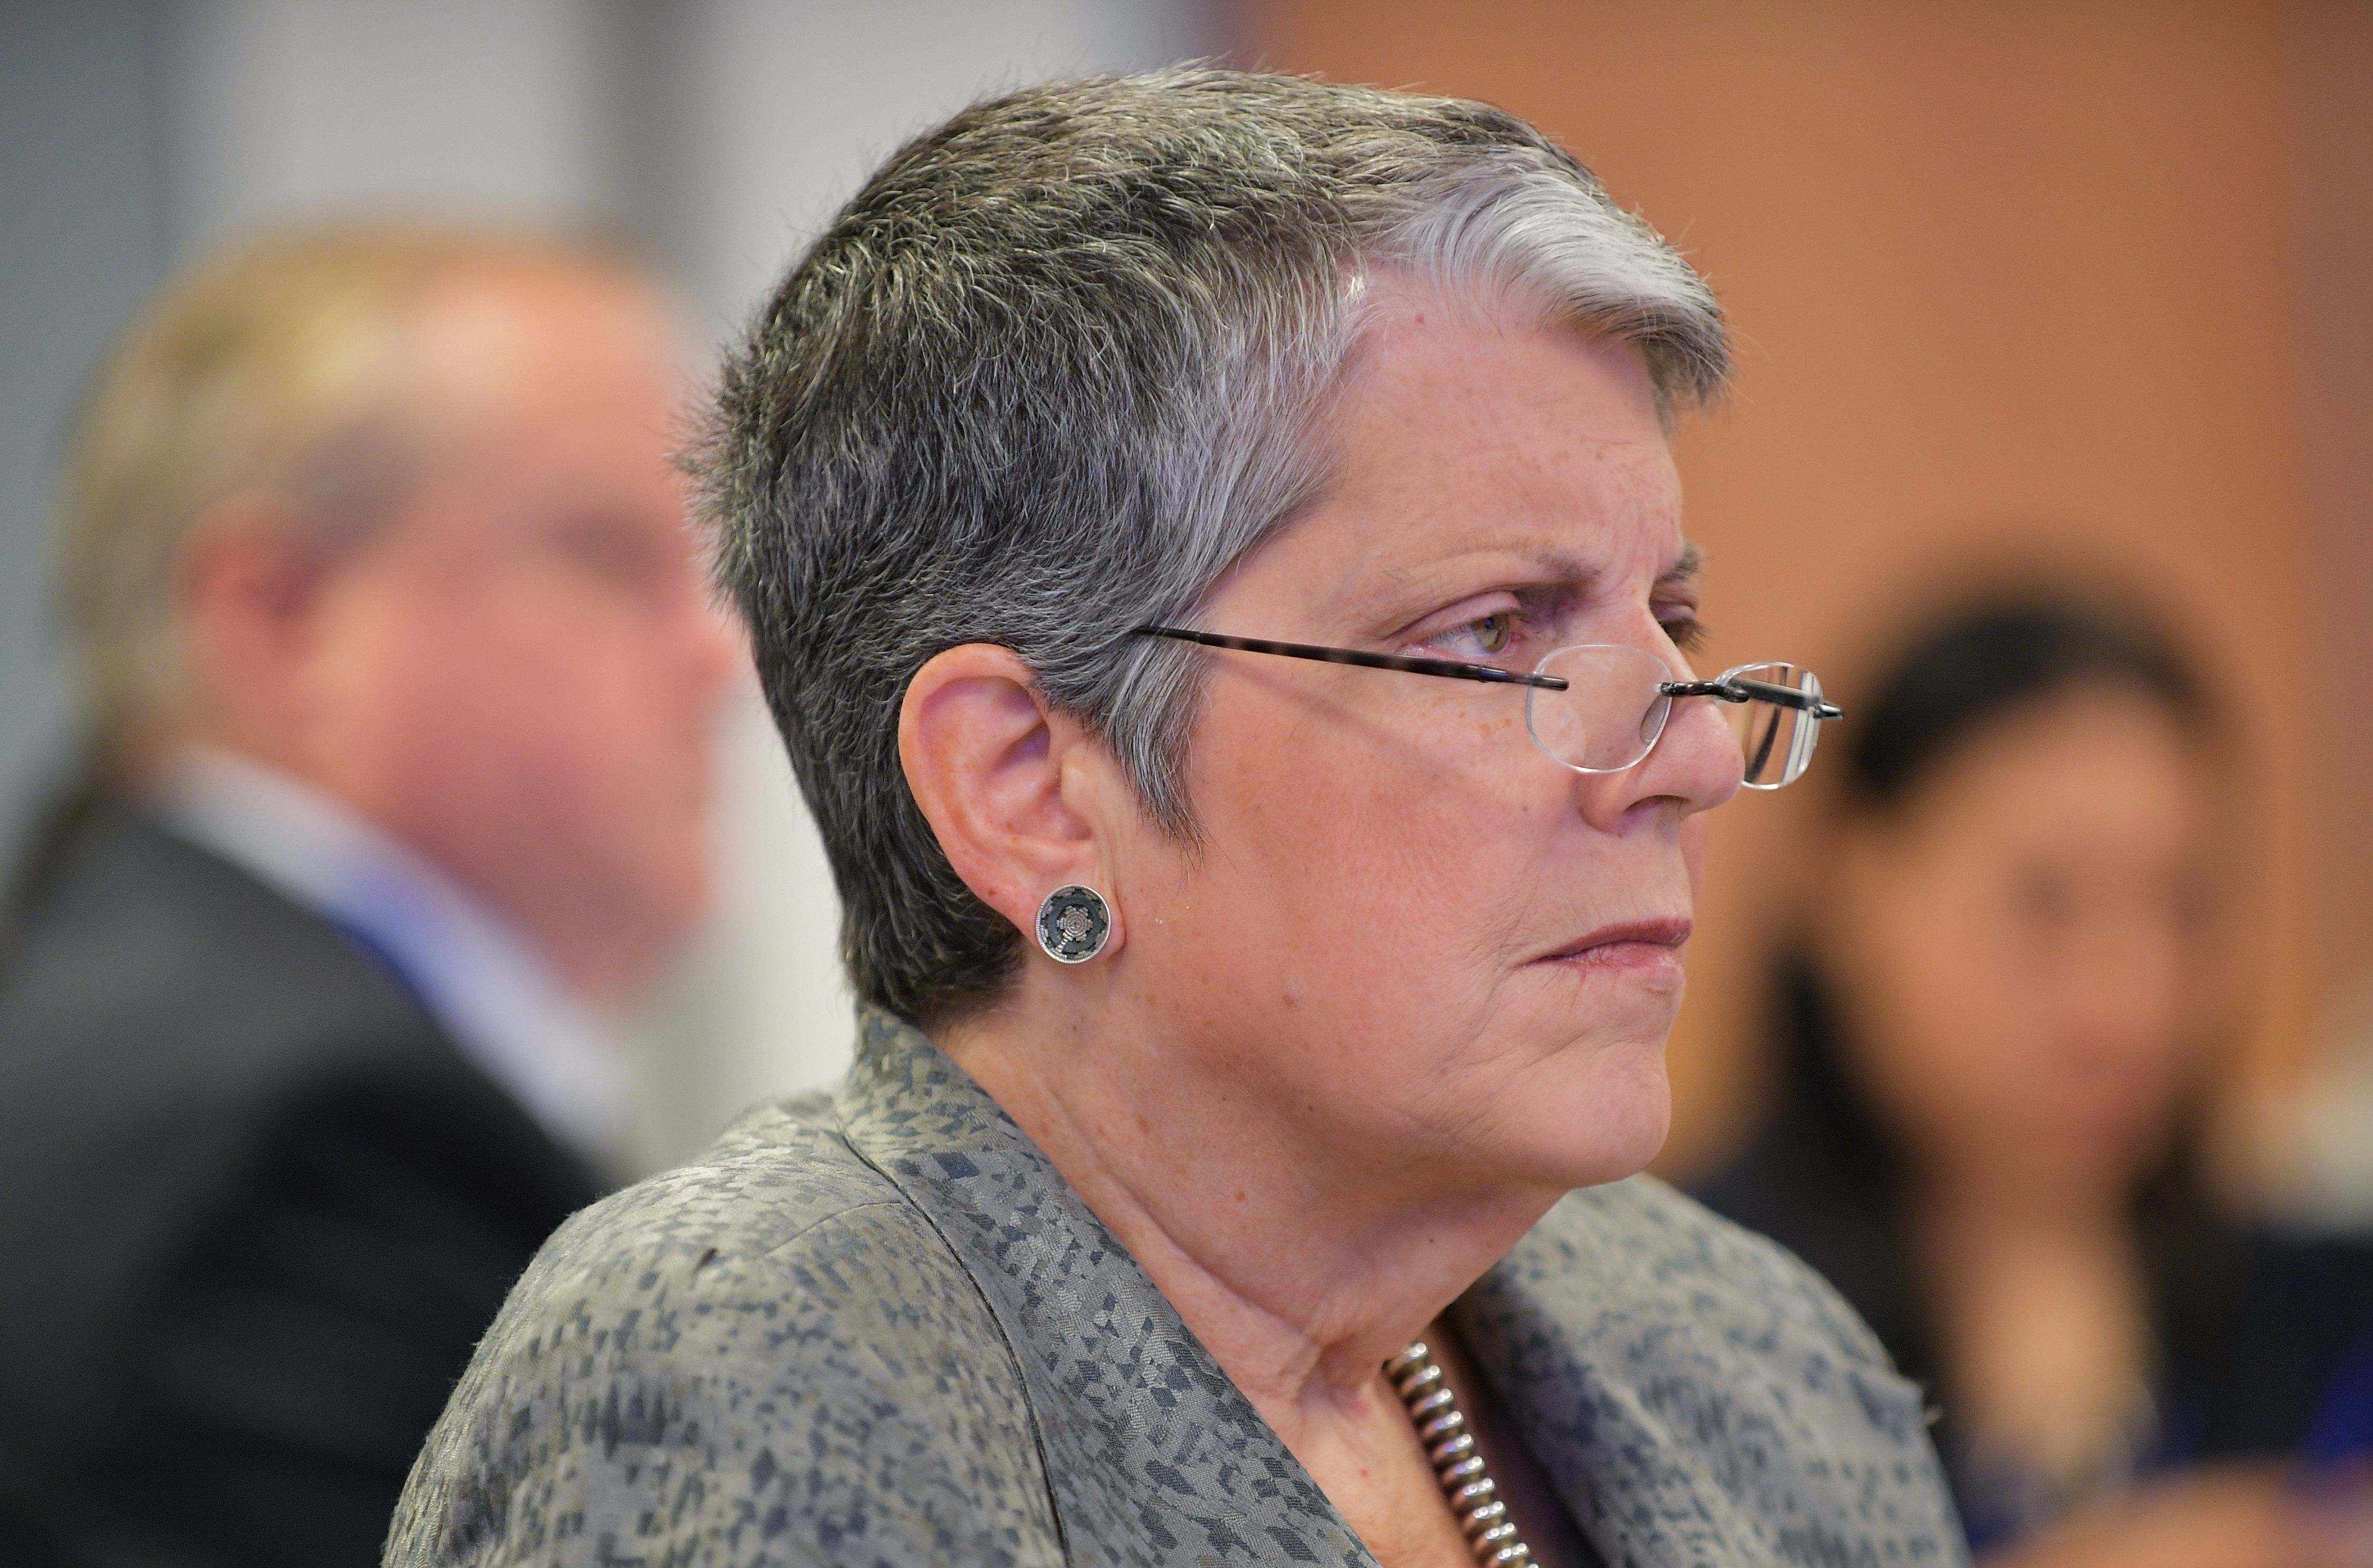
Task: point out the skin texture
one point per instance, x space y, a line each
516 669
1340 1055
2025 950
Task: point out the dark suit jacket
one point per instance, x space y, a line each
255 1211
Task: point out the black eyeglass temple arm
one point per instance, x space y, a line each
1735 690
1443 667
1740 689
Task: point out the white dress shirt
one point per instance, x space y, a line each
507 1009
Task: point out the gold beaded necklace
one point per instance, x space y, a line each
1458 1464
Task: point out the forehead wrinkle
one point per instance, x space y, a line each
1544 563
1532 566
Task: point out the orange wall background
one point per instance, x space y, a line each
2007 280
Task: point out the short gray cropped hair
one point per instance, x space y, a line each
1058 367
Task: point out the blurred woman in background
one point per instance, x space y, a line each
1993 1033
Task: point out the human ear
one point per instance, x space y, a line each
1009 785
246 586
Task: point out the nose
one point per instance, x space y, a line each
2123 989
1695 765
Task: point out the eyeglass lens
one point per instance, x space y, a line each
1610 712
1776 740
1613 709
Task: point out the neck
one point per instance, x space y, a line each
2008 1203
1300 1270
597 951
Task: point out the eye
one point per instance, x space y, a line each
1689 633
1486 636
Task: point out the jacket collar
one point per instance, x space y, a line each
1691 1398
1153 1454
1591 1385
1698 1396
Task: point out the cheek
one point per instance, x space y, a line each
477 709
1376 904
1948 1009
596 735
389 703
1360 912
1373 865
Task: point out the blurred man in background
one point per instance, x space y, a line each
398 672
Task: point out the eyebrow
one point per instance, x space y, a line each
1559 566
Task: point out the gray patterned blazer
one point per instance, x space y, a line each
878 1327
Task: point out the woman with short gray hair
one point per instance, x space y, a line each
1213 548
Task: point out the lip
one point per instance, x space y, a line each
1627 944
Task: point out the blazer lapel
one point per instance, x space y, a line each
1154 1456
1693 1404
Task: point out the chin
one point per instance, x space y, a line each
1605 1122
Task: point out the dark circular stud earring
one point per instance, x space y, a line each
1073 923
